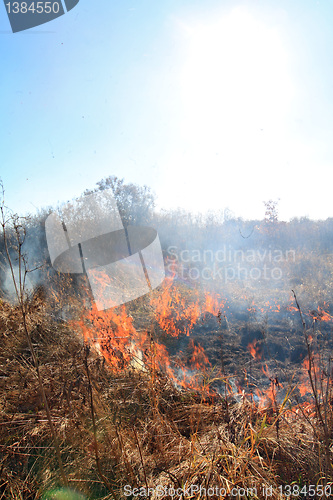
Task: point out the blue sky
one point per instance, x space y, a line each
212 104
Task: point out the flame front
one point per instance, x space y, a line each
177 310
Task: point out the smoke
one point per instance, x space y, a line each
9 284
31 270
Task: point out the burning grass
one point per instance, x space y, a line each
126 412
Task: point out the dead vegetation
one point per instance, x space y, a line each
126 403
137 428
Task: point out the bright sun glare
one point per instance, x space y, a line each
236 91
235 79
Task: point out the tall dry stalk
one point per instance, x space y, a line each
19 233
93 418
321 403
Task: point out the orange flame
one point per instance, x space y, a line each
176 313
254 349
114 336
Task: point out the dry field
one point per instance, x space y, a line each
178 395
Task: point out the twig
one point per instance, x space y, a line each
315 392
97 458
141 458
19 291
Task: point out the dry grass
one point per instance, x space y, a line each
147 433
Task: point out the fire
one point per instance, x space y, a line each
174 314
113 335
213 304
268 306
304 386
198 359
176 310
255 349
268 398
177 313
111 332
320 315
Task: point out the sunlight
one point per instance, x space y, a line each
235 78
236 93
